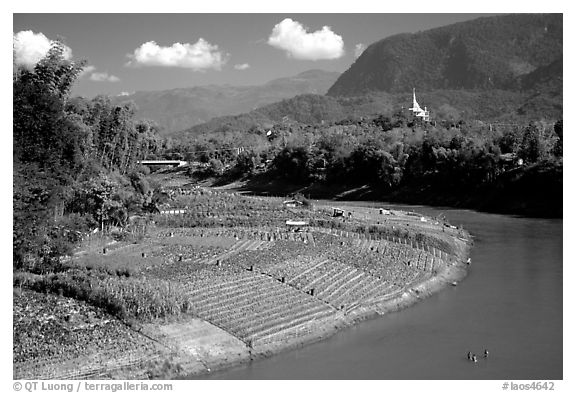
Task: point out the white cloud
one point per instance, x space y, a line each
124 93
87 70
293 38
358 49
199 56
103 77
242 67
30 47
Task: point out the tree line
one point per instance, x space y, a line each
74 160
510 167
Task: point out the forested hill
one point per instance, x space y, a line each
543 102
486 53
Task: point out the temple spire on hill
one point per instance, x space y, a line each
417 111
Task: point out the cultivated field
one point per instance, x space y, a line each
232 262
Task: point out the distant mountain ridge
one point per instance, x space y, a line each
485 53
181 108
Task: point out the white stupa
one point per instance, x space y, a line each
424 114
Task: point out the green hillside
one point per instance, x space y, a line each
486 53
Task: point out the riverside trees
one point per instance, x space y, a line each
60 146
444 159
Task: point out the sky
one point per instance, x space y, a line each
134 52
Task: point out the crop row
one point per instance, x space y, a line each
382 266
253 306
282 259
173 252
414 239
339 284
393 250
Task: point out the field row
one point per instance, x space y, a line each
174 269
265 234
394 246
253 306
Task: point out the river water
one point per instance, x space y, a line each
510 303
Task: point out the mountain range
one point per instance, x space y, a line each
502 68
181 108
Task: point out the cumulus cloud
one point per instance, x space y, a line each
103 77
30 47
358 49
242 67
87 70
298 43
199 56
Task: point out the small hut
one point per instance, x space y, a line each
296 226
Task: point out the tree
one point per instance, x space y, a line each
215 167
292 163
383 122
61 148
532 147
47 148
510 142
245 162
389 172
558 146
39 98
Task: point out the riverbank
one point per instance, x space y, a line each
242 308
449 276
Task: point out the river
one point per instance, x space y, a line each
510 303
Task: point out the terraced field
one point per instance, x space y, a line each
234 267
268 284
265 284
254 306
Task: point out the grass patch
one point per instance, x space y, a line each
124 297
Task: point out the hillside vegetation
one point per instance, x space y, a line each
486 53
450 105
